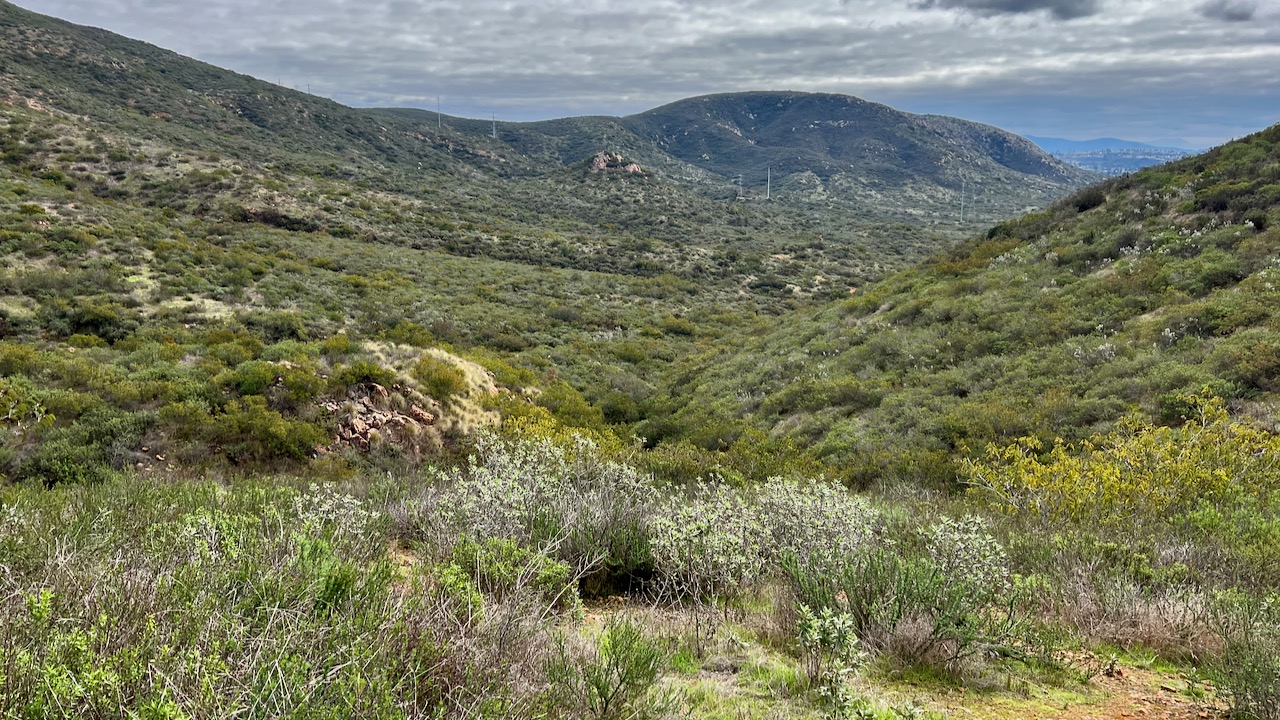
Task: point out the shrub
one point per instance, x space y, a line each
1133 477
590 513
1249 668
500 567
410 333
812 523
439 379
569 407
362 372
86 451
930 607
253 377
829 647
339 344
613 679
274 327
458 589
300 384
249 431
240 598
65 460
1087 199
708 547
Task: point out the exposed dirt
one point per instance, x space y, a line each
1127 692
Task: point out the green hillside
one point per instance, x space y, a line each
164 192
840 149
1136 294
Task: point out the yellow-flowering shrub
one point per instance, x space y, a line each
1137 473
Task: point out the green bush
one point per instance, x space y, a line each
708 547
593 513
65 461
362 372
614 679
830 650
458 588
501 567
87 451
249 431
1248 671
439 379
253 377
950 600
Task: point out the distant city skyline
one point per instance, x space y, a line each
1179 73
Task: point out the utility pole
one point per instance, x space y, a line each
494 118
439 122
768 183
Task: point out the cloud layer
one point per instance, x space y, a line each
1229 10
1061 9
1166 71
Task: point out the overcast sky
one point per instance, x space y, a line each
1177 72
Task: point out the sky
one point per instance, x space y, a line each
1184 73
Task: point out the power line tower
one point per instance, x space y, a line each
494 118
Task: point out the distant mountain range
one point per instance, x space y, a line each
1109 156
1061 145
802 147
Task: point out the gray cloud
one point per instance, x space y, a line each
1137 69
1229 10
1061 9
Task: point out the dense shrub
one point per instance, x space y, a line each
150 599
614 678
589 513
362 372
708 546
1135 477
952 600
1249 668
501 567
439 378
249 431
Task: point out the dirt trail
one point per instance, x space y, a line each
1127 693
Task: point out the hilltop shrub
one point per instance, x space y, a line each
440 379
362 372
1087 199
